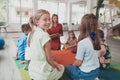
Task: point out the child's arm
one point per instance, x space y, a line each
102 60
103 50
72 46
50 59
77 63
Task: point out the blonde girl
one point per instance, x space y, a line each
42 65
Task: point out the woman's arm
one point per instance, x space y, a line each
50 59
55 35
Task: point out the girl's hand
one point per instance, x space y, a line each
59 67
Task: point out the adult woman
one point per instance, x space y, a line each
55 32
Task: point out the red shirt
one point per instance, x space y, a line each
55 42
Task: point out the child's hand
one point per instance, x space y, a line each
59 67
102 60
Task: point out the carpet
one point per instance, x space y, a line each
110 74
24 73
116 37
115 66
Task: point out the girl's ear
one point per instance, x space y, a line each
36 22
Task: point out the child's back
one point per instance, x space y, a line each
22 42
21 46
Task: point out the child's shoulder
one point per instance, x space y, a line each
40 33
84 41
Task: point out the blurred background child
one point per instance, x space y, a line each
21 45
71 41
105 56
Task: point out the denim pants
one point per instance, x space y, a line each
76 74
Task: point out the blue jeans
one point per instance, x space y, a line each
75 73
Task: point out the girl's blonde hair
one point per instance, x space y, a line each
34 21
89 24
38 14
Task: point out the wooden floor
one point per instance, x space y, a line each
115 49
8 69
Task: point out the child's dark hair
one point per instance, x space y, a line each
25 27
88 27
101 33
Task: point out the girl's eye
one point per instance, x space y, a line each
46 19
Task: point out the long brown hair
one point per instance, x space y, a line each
34 20
52 18
89 23
74 37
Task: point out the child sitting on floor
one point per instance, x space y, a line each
67 55
71 42
22 43
105 52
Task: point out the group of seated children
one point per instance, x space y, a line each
68 55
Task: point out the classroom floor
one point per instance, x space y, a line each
8 69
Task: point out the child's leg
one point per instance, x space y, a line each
16 57
73 72
65 76
23 62
27 64
55 74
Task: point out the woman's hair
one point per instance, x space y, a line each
101 34
53 16
88 27
34 20
25 27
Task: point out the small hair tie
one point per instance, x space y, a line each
92 35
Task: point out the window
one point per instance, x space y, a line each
54 8
78 10
105 15
20 11
3 10
26 13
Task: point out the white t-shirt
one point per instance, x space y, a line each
39 68
88 55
